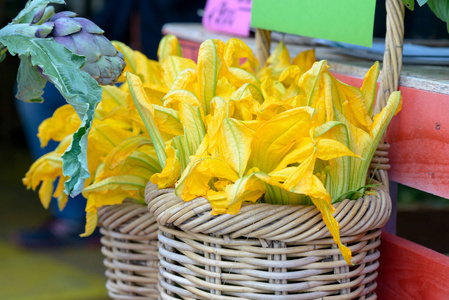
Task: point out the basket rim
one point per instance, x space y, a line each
268 221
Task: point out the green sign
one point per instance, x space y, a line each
348 21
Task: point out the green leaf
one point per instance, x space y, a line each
354 195
62 68
30 83
410 4
26 14
3 51
441 9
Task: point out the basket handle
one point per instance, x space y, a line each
263 45
392 61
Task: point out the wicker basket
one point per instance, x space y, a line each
266 251
129 244
272 251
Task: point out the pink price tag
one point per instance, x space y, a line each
228 16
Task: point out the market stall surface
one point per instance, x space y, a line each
63 273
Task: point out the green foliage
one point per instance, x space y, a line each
439 7
62 68
26 15
30 82
410 4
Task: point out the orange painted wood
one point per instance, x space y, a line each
419 139
410 271
189 49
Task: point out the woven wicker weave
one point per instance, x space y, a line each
266 251
129 244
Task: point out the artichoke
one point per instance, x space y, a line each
104 62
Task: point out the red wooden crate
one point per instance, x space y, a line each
410 271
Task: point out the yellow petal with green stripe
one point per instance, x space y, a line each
235 50
239 77
155 92
289 75
210 67
173 66
235 144
305 60
173 98
273 140
131 184
194 181
168 121
124 150
369 87
186 80
146 111
329 148
279 60
64 122
246 189
112 97
248 89
192 122
309 82
298 153
354 107
322 203
170 173
168 46
137 63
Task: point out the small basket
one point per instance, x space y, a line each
129 244
266 251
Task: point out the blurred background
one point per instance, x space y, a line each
74 270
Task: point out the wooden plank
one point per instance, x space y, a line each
410 271
419 139
189 49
